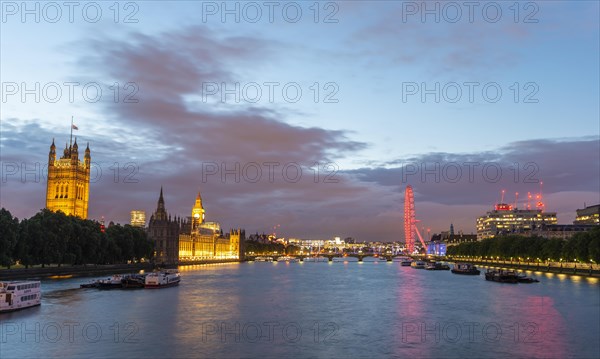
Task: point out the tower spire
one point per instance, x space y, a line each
161 200
161 212
197 213
71 138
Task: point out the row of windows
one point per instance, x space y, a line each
28 286
24 286
62 191
79 192
28 297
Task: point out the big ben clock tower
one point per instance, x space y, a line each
197 213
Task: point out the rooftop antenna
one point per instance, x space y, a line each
540 200
502 198
516 199
541 194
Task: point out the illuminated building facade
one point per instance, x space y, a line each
206 240
68 185
436 248
138 218
505 219
588 215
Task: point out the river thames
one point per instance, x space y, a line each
330 310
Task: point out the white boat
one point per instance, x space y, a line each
263 259
19 295
316 259
288 259
110 283
162 279
418 264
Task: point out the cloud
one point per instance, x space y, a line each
164 140
474 178
444 39
365 203
170 67
171 139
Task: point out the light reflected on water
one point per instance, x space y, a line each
576 278
358 310
562 277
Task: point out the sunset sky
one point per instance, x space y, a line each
371 128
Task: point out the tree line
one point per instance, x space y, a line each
269 248
55 238
583 247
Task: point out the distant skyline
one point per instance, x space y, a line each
379 94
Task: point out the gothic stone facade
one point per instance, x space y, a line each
68 186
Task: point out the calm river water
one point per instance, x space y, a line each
330 310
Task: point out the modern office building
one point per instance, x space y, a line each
588 215
505 220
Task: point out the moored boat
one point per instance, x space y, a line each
168 278
316 259
524 279
134 281
18 295
263 259
110 283
430 266
466 269
501 276
418 264
405 261
287 259
437 266
91 284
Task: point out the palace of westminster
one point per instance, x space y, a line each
175 239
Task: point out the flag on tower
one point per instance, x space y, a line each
74 127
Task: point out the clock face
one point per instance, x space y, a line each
196 215
203 216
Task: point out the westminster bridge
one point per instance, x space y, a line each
331 256
569 268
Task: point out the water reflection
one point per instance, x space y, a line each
329 309
540 328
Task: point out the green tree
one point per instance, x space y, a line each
594 247
552 249
9 234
